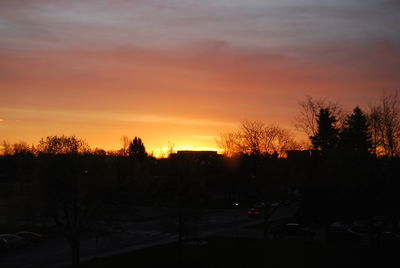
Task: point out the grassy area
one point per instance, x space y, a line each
238 252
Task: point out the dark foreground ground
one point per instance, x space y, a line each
244 252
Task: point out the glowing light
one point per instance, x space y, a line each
165 151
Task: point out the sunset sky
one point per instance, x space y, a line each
181 72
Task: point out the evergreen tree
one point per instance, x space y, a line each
327 135
136 149
355 138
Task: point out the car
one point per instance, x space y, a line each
362 227
30 237
388 238
254 213
342 232
292 230
275 204
13 241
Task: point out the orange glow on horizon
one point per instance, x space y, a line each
171 73
163 152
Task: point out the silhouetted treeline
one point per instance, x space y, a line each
350 172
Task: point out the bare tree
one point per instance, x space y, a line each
22 148
384 118
62 145
125 145
18 148
72 186
253 136
229 143
257 138
284 141
171 149
76 192
6 148
306 121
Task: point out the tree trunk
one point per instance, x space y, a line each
75 245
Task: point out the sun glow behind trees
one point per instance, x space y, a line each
94 69
252 137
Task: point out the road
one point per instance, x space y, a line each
55 252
